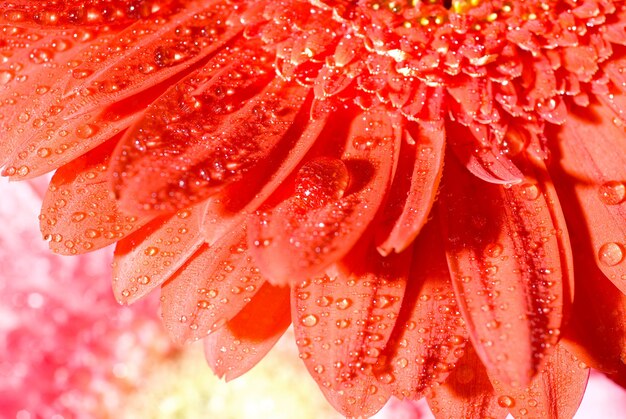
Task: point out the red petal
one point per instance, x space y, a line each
509 256
429 335
324 217
597 330
593 154
66 13
415 186
343 321
79 212
555 393
233 204
193 141
97 91
467 393
210 288
40 58
149 257
480 156
239 345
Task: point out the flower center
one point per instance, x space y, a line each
483 62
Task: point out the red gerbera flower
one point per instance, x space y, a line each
275 161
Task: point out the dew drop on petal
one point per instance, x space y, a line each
343 303
611 254
612 193
309 320
506 401
529 191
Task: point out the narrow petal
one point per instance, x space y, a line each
66 13
79 212
467 393
596 332
333 203
210 288
204 133
149 257
593 154
510 259
343 321
480 156
415 186
429 336
239 345
100 90
39 57
235 202
555 393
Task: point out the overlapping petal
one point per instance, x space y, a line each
102 81
153 254
215 284
79 212
593 154
344 319
415 186
332 203
509 258
240 344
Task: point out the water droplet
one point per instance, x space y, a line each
151 251
324 301
529 191
342 324
86 131
78 216
402 362
43 152
6 76
309 320
382 301
493 250
611 254
22 171
343 303
506 401
612 193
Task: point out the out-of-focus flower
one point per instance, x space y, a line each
272 161
68 349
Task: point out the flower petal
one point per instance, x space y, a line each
467 393
509 257
333 203
236 201
239 345
204 133
555 393
597 330
343 321
100 90
66 13
210 288
593 154
39 57
149 257
415 186
481 156
79 213
429 336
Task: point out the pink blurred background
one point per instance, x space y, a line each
70 351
